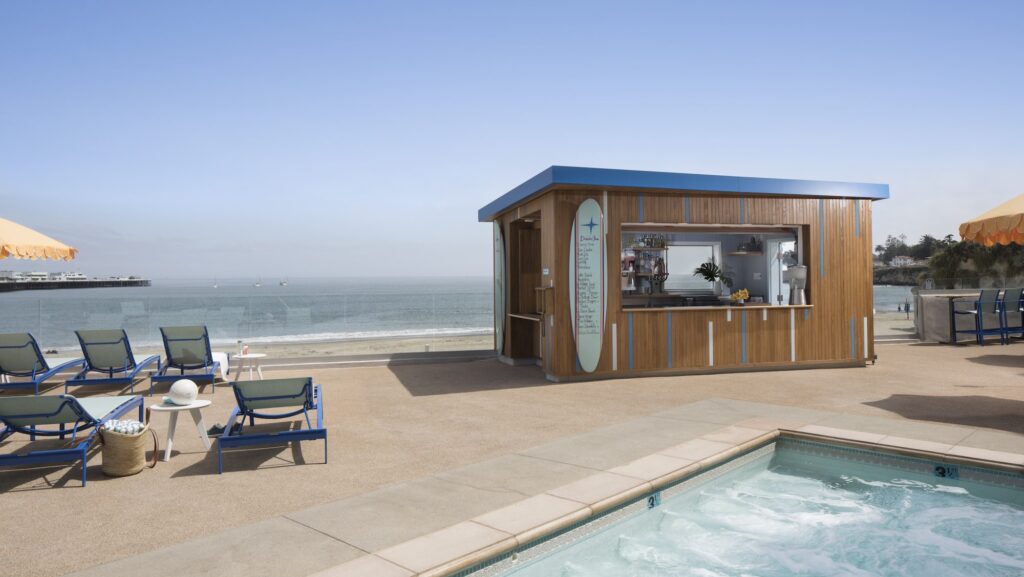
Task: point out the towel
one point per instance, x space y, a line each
222 358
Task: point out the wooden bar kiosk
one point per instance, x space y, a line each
603 273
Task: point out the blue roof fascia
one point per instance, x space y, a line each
642 179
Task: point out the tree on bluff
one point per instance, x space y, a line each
895 246
968 264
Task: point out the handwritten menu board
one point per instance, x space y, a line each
499 288
588 283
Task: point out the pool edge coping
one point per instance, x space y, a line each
388 562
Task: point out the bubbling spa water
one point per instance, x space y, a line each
808 516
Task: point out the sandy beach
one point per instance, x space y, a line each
893 324
382 346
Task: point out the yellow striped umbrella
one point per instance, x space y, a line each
19 241
1003 224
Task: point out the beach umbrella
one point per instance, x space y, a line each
1003 224
19 241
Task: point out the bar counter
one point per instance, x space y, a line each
747 306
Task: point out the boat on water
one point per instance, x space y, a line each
283 283
258 283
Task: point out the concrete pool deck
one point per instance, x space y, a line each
418 449
519 526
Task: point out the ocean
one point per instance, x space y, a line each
306 310
887 298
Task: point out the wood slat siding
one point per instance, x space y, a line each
822 333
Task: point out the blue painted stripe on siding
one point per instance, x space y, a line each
670 339
807 314
856 216
743 210
743 333
686 209
853 337
821 237
630 317
640 200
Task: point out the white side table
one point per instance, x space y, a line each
253 361
195 409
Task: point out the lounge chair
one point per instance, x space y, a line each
26 414
255 396
109 352
21 358
187 349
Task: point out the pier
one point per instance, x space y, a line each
9 286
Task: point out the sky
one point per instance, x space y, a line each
298 139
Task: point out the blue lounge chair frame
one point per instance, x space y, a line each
123 375
41 370
988 302
208 366
310 399
80 445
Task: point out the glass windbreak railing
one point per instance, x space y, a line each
896 307
293 320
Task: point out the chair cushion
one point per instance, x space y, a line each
254 395
14 409
186 346
106 349
101 407
61 407
17 355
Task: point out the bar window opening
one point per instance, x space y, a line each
711 265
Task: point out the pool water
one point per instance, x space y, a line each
792 513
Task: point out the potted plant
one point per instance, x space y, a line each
713 273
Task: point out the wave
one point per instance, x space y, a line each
222 342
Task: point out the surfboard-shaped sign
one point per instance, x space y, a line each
499 288
588 283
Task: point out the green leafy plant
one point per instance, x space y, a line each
711 272
970 264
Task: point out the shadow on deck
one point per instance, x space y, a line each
971 410
480 375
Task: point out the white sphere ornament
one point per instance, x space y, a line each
183 392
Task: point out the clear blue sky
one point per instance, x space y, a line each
328 139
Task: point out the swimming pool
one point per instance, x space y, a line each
800 507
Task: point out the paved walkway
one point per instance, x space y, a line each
416 448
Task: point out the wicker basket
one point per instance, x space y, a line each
125 455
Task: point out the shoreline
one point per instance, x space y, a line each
356 346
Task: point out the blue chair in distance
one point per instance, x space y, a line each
1011 305
988 303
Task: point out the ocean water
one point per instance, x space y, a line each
307 310
805 515
887 298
